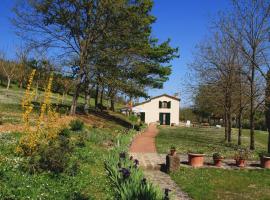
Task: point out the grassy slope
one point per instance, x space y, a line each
215 183
208 140
90 180
10 103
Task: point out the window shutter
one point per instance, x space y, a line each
169 104
160 104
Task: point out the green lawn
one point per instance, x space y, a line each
210 183
202 184
207 140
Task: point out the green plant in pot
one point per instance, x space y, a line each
195 158
241 155
217 157
265 159
173 151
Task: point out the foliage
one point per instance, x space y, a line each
102 39
45 129
76 125
242 154
52 156
217 156
133 119
27 100
264 153
83 175
128 181
173 148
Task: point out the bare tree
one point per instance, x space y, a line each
8 68
216 64
248 27
22 56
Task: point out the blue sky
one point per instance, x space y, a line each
184 21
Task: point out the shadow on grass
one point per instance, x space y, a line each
106 116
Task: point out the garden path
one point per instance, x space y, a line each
143 148
145 142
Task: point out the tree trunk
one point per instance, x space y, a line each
101 96
86 101
8 83
96 96
112 104
240 128
63 97
267 107
21 84
75 100
252 112
229 129
229 113
226 125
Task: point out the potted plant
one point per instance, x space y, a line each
265 160
173 151
241 155
217 157
196 158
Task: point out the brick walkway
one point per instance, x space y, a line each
143 148
145 142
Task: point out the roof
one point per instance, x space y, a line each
169 96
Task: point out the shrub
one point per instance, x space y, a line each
217 156
82 138
64 132
242 154
128 181
76 125
264 153
52 156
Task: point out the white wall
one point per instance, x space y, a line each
152 109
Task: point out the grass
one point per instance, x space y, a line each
207 140
89 181
210 184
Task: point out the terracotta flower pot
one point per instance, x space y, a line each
218 162
195 160
240 162
265 162
172 152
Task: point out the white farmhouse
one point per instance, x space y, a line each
163 108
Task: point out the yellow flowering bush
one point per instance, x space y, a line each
44 129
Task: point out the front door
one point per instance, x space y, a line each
142 115
165 118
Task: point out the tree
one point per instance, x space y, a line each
248 26
98 34
22 68
216 68
8 68
267 107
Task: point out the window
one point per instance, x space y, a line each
164 104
